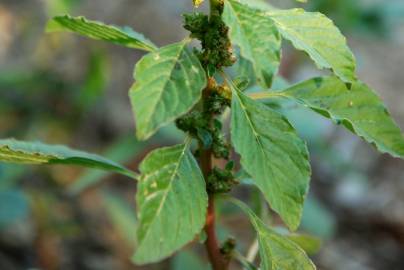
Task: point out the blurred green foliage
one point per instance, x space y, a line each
375 18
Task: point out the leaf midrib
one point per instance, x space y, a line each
160 93
165 194
248 40
255 134
297 35
95 28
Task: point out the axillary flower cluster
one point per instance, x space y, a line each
203 122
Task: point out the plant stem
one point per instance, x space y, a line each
216 258
212 246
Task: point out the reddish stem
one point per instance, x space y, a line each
212 246
216 258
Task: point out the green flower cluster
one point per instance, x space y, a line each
221 180
203 125
216 50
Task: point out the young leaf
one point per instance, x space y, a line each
257 37
243 68
97 30
359 109
315 34
13 151
273 154
277 252
172 202
169 82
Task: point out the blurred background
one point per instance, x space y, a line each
64 89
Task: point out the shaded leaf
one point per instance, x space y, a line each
273 154
13 151
310 244
258 38
243 68
97 30
169 82
315 34
359 109
171 201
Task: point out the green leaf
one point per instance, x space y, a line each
97 30
13 151
315 34
273 154
169 82
172 203
122 151
244 69
259 4
277 252
257 37
359 109
310 244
